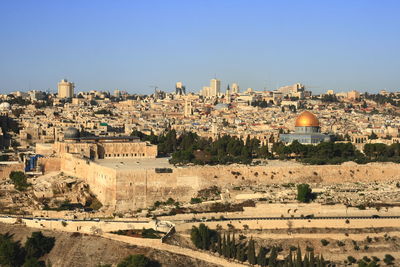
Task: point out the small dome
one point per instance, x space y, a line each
71 133
221 106
5 106
307 119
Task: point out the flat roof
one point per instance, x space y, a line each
101 138
135 164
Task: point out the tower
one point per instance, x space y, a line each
180 89
215 86
235 88
188 108
65 89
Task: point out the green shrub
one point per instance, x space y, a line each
304 193
195 200
324 242
19 180
138 260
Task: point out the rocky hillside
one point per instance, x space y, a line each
80 250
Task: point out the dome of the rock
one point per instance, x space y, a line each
307 119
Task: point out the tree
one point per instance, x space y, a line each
138 260
19 180
388 259
351 259
373 136
11 253
261 257
299 261
195 237
38 245
33 262
251 253
272 257
304 193
219 244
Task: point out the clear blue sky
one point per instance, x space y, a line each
130 45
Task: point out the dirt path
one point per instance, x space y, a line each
177 250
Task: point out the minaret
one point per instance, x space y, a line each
228 95
187 111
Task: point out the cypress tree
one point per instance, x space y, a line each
272 257
322 261
261 257
224 246
219 244
289 259
251 253
237 255
306 261
228 246
233 247
312 259
195 237
299 261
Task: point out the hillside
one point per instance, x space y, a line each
80 250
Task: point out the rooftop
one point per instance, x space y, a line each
135 164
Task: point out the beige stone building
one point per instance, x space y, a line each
65 89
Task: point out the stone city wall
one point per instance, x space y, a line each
49 164
101 179
5 170
291 223
130 189
89 227
291 209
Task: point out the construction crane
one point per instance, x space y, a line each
155 87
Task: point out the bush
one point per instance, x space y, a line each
304 193
388 259
351 259
195 200
19 180
340 244
38 245
324 242
202 237
138 260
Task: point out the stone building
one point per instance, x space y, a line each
94 147
307 130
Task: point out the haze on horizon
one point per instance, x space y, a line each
132 45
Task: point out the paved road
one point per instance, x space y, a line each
374 217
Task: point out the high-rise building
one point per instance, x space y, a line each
215 86
235 88
65 89
180 89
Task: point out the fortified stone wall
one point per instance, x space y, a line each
101 179
5 170
130 189
50 164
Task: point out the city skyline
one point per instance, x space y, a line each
339 46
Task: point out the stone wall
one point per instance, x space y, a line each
49 164
101 179
130 189
5 170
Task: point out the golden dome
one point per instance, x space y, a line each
307 119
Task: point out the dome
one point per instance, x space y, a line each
221 106
5 106
71 133
307 119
